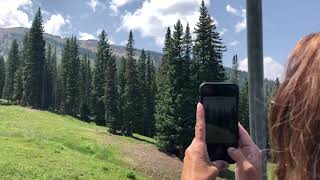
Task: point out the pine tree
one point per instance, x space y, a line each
54 72
235 70
207 51
25 59
59 106
112 97
33 70
122 101
130 91
150 91
165 120
47 79
12 67
186 107
141 122
70 66
244 106
18 86
99 81
2 75
85 88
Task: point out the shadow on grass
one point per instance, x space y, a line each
227 174
144 140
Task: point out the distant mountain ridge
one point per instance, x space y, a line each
85 46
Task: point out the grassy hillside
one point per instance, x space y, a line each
43 145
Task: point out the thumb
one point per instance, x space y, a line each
220 165
236 155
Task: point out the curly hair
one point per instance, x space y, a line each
294 119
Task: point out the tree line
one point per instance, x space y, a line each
130 97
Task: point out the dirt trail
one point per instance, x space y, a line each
146 158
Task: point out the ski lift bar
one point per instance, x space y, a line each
257 111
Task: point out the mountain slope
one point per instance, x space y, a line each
42 145
86 46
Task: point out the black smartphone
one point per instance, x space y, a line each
220 102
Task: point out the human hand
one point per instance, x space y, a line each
248 157
196 163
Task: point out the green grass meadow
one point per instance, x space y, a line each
42 145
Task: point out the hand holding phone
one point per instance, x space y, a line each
220 101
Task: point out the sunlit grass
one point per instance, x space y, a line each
42 145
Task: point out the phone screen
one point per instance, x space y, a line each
220 103
220 115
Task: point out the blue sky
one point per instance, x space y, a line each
285 22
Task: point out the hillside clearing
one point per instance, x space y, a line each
43 145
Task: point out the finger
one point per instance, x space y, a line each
200 129
244 139
220 165
236 155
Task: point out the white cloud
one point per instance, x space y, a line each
115 4
86 36
224 30
272 68
232 10
234 43
55 23
92 4
242 13
123 43
12 16
154 16
242 25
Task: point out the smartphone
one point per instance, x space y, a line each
220 102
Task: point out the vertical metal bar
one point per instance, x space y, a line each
255 68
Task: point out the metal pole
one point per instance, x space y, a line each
255 68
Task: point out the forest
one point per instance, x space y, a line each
133 96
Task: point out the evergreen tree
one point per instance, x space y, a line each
130 90
18 86
235 70
111 97
150 91
165 120
122 84
207 51
141 122
85 88
244 106
59 106
185 101
33 70
12 67
54 72
2 75
70 66
25 59
99 79
47 79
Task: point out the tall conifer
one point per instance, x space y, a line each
99 79
33 70
12 67
2 75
